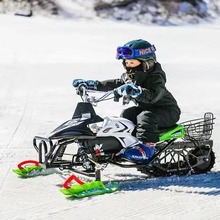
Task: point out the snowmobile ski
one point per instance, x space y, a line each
32 168
82 190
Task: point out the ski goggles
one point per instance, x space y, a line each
126 52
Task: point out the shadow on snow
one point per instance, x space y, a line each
204 184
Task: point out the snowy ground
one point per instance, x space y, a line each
38 60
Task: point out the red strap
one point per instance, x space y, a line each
20 165
68 180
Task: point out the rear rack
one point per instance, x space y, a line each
199 129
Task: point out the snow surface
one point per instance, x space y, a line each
39 58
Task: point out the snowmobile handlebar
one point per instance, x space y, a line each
86 96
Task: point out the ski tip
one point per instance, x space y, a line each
19 173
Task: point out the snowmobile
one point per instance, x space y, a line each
182 148
87 143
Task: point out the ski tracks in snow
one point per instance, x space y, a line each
39 197
15 115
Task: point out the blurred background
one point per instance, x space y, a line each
160 12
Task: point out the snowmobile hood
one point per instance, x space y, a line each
71 128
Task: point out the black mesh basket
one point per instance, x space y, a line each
199 129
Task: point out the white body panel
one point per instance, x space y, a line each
120 128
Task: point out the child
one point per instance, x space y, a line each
144 81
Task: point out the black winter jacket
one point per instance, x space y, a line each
154 93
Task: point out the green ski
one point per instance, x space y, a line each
87 189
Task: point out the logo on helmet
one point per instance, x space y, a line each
144 51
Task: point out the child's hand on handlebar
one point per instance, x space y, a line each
129 89
89 84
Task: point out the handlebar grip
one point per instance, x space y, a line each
116 96
126 99
81 89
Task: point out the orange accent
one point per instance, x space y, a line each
144 51
20 165
150 144
68 180
97 153
141 150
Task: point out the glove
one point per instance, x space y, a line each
77 82
89 84
129 89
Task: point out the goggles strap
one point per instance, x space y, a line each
145 51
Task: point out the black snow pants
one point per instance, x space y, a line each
149 121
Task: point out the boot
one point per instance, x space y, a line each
140 153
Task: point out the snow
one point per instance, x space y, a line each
40 57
